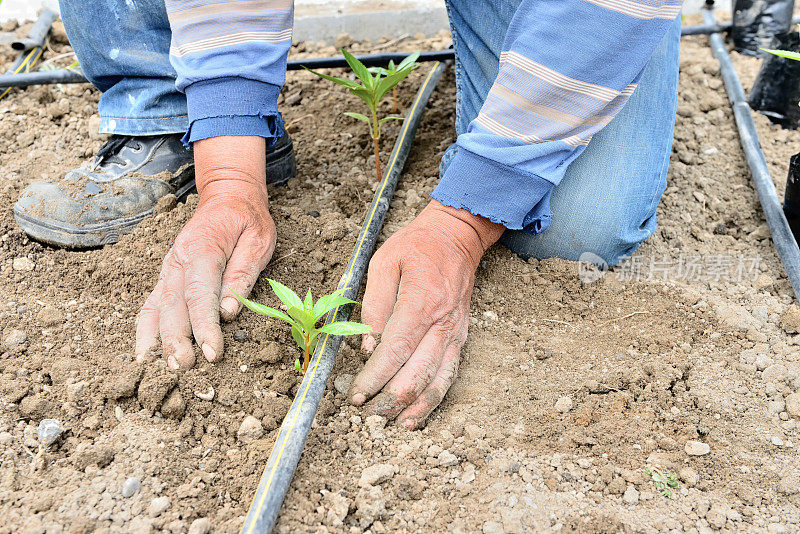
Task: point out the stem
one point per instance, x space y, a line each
377 158
306 355
394 96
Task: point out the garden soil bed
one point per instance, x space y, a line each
566 391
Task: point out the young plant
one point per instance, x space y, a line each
371 90
664 481
304 315
393 69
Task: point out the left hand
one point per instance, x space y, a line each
417 299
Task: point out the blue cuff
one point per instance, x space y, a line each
233 106
502 194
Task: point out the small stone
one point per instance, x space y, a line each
489 315
474 432
631 496
250 430
789 485
173 406
689 476
6 438
342 383
200 526
447 458
564 404
158 506
717 516
240 336
375 424
790 319
119 413
15 338
343 40
50 316
793 405
375 474
22 264
49 430
762 361
778 442
166 204
130 486
696 448
774 373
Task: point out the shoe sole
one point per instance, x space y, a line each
281 167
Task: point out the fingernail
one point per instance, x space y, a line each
229 305
368 343
173 363
140 357
358 399
408 424
208 352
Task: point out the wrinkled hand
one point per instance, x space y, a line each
417 301
226 244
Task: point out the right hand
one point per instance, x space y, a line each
225 245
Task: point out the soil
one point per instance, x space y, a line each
567 390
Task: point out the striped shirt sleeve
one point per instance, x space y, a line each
230 57
566 69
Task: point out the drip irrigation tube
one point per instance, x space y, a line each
370 60
781 232
38 33
296 425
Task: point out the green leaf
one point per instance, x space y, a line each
329 302
339 81
392 66
345 328
305 319
298 337
263 310
387 83
367 96
286 295
380 71
358 116
784 53
409 61
380 122
361 71
308 304
297 365
312 341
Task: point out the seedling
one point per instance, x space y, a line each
371 90
304 315
664 481
393 69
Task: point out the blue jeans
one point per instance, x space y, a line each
606 203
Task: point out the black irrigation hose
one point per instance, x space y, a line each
296 425
38 32
781 232
370 60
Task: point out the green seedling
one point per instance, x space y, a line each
393 69
785 53
664 481
304 315
371 90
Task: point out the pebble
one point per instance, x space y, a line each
119 413
793 405
790 319
22 264
789 485
342 383
564 404
631 496
762 361
15 338
774 373
474 432
49 430
375 424
689 476
778 442
490 315
200 526
130 486
375 474
447 458
158 506
6 438
250 430
696 448
240 336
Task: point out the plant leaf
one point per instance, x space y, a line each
387 83
391 118
286 295
784 53
409 61
366 95
297 365
308 304
329 302
358 116
263 310
298 337
305 319
339 81
361 71
379 71
345 328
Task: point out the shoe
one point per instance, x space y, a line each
93 205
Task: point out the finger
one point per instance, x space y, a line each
414 377
415 415
380 296
411 320
147 325
247 260
202 279
173 318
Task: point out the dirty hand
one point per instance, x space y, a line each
417 300
226 244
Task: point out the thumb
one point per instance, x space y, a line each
245 264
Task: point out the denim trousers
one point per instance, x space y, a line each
605 204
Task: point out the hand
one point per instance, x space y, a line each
417 300
226 244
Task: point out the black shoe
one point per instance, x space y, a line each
93 205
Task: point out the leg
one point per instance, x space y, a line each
123 48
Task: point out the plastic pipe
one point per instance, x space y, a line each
38 32
297 423
781 232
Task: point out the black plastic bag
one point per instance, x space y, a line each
791 199
776 91
756 22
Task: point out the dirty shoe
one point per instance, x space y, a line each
93 205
